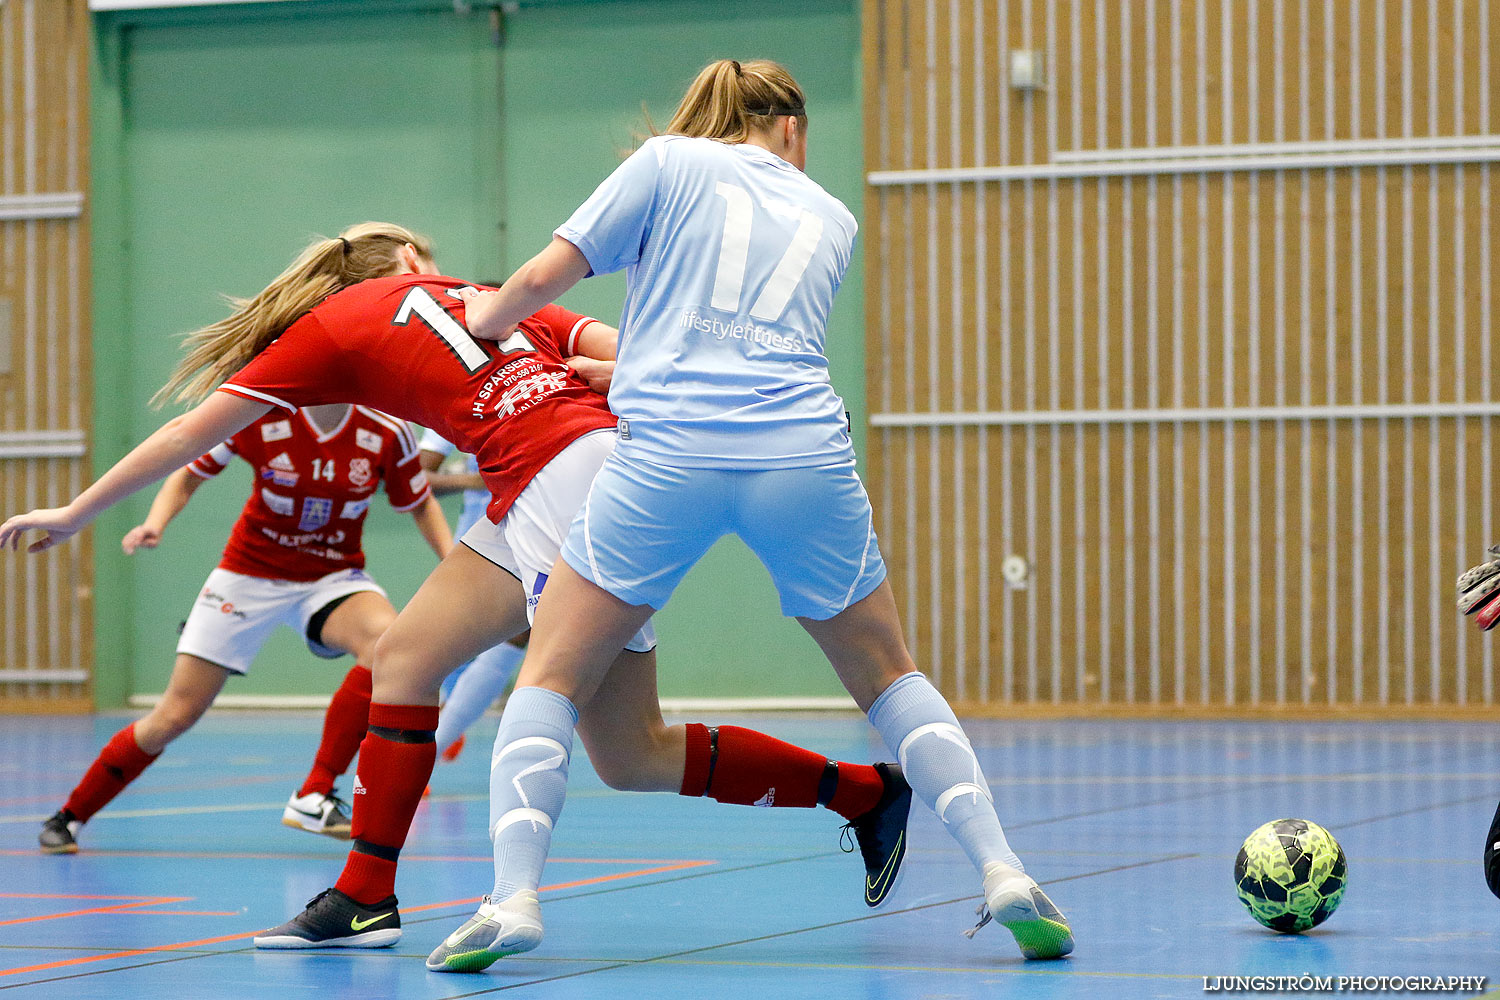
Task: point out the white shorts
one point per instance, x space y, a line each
528 539
235 614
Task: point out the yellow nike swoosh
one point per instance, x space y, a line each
356 924
885 875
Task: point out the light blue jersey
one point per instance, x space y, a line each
733 257
475 501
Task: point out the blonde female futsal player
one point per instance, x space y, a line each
365 317
728 423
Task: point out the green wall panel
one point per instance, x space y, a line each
239 140
225 139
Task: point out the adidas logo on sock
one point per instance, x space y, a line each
767 800
359 787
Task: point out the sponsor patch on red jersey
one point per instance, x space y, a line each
287 530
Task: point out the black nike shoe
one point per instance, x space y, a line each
1492 854
333 920
57 833
881 833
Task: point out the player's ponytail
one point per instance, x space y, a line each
217 351
731 100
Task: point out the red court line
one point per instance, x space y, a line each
63 963
125 954
248 855
194 786
117 908
66 895
182 913
285 856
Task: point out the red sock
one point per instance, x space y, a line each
344 727
118 764
744 767
395 761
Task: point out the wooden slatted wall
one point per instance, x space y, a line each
45 357
1204 330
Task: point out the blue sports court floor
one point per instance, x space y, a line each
1133 826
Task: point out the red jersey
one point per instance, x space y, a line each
400 344
306 514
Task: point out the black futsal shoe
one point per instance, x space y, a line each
1492 854
881 834
57 833
333 920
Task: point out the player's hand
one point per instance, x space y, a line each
477 305
1479 591
142 536
59 523
598 374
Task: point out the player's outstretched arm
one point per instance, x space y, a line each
443 483
598 340
171 446
494 315
433 526
176 490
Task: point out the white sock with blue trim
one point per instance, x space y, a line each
528 785
922 731
476 689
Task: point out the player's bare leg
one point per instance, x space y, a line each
194 685
467 605
865 646
630 745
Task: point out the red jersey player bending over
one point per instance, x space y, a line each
365 318
293 558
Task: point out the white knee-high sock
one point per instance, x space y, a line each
922 731
528 784
476 689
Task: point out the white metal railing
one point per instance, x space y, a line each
1222 414
1409 143
23 207
42 444
1189 165
43 676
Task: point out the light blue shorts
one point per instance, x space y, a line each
643 527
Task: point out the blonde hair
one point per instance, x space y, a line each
729 100
217 351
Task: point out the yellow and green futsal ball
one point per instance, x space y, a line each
1290 874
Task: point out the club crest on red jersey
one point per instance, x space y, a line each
359 471
316 512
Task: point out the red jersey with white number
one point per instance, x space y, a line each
400 344
306 514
